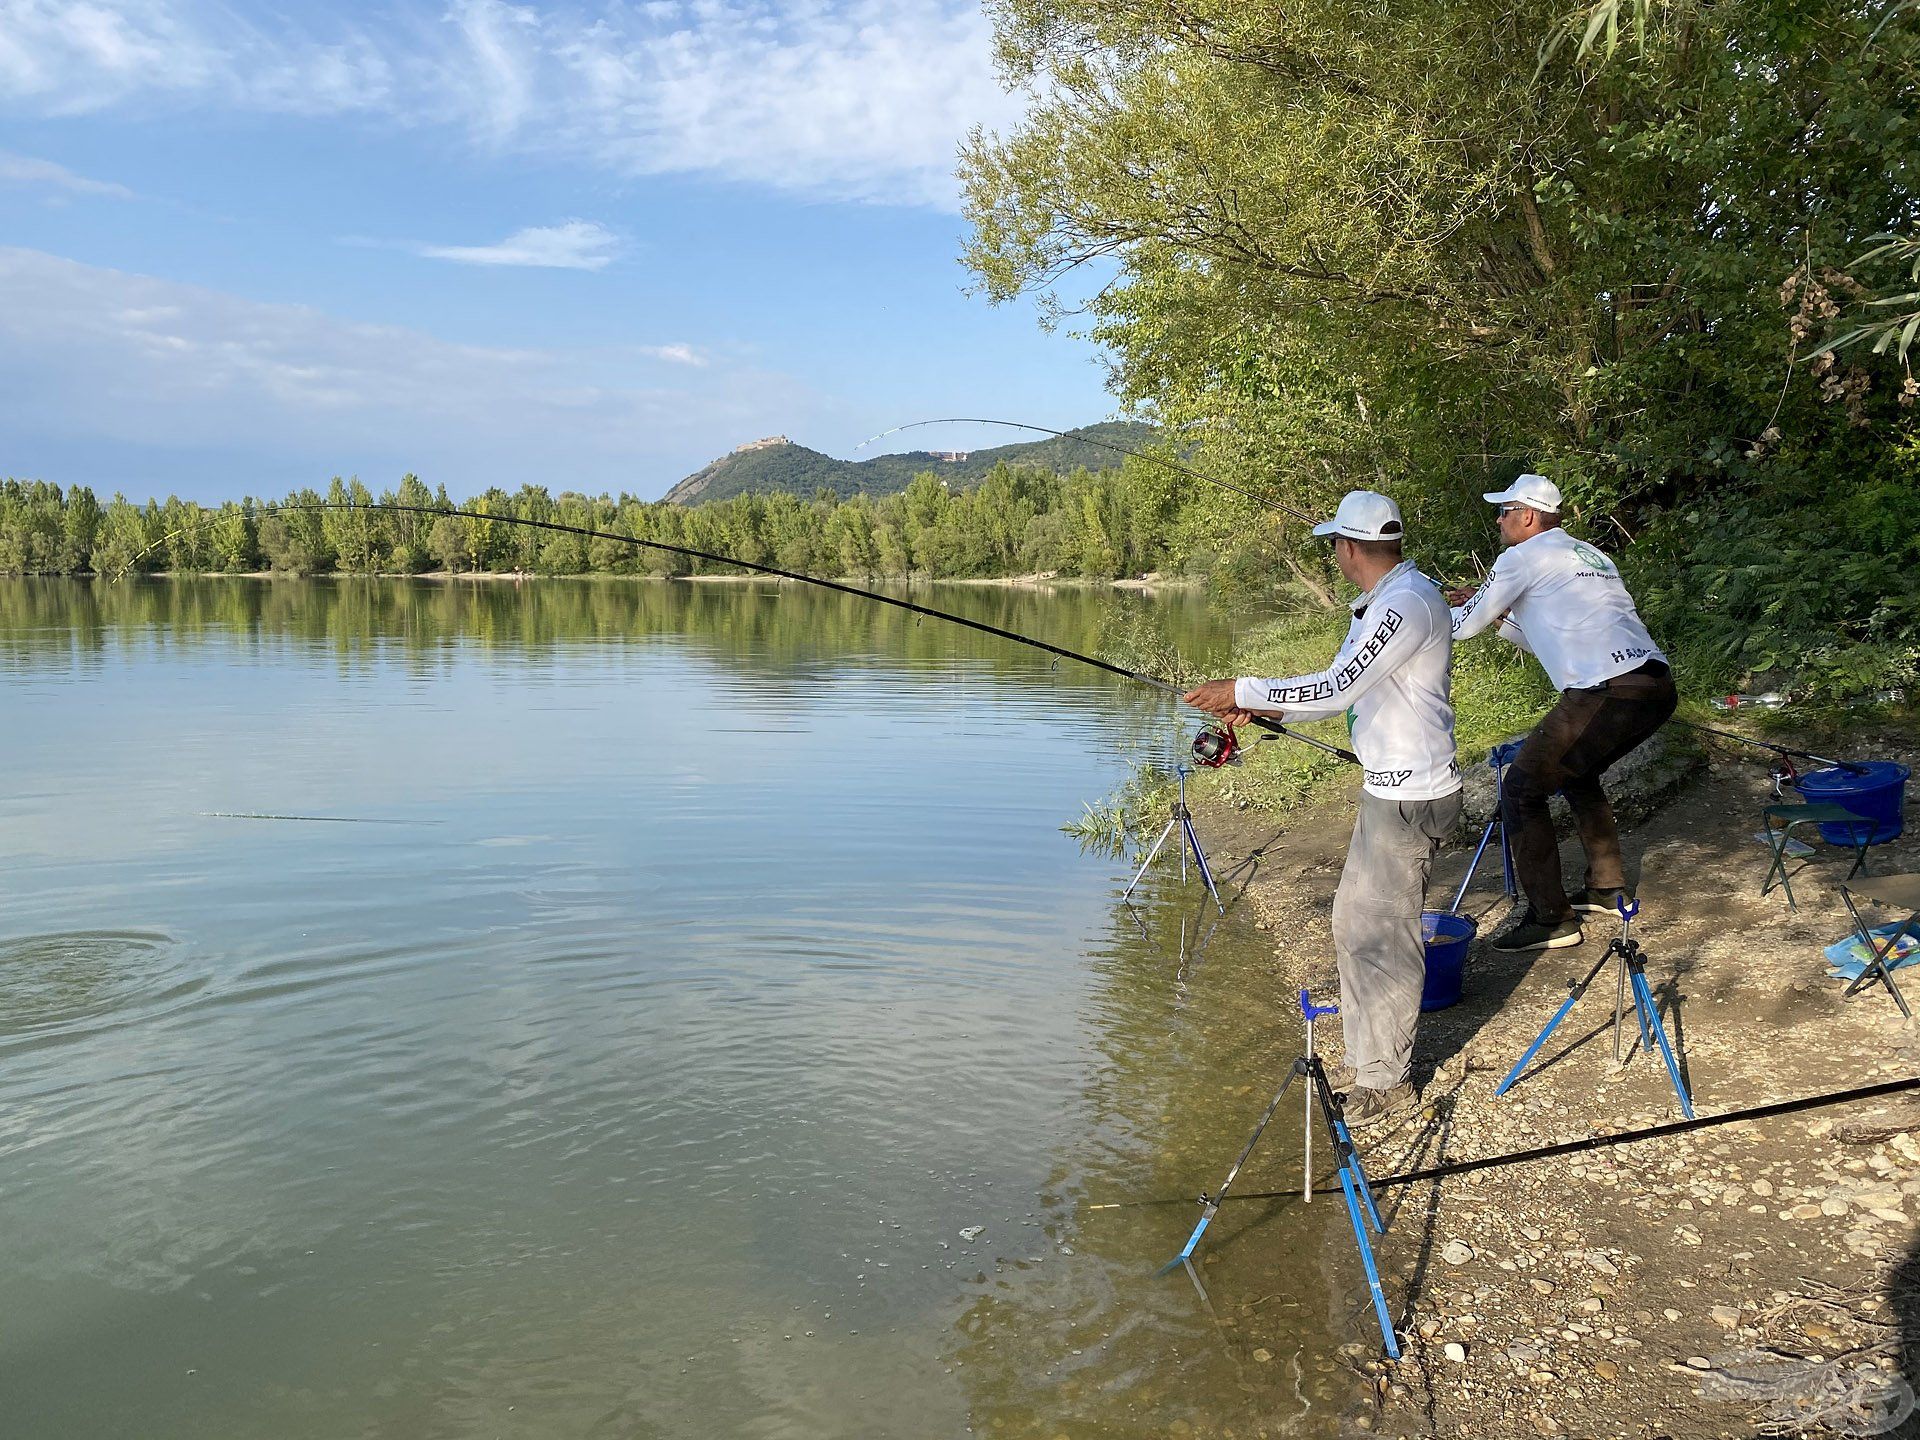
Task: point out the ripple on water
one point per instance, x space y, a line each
76 981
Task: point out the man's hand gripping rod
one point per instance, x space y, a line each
1266 723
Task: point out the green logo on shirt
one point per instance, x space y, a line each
1590 556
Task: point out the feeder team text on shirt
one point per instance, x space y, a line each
1393 673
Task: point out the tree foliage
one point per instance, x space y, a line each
1017 520
1335 248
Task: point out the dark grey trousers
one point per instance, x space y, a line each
1376 930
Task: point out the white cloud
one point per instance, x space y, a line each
842 99
25 170
572 245
115 359
677 354
62 57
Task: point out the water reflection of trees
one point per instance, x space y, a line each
1049 1342
743 620
1085 1339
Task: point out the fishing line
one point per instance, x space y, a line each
314 819
1574 1147
1078 438
394 507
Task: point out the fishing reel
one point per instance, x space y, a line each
1784 774
1215 746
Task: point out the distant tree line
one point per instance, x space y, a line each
1017 520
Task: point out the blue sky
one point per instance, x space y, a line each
247 248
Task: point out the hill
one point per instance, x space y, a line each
777 464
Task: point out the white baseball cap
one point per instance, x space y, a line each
1363 515
1536 492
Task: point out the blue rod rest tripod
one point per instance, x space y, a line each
1353 1176
1183 818
1632 972
1498 758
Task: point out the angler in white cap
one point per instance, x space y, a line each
1563 600
1391 678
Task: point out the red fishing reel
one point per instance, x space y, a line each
1215 746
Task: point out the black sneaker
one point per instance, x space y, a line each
1367 1106
1599 902
1530 933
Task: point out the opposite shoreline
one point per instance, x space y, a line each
1042 580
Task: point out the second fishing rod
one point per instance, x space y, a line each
1214 746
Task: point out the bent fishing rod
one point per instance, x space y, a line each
1210 744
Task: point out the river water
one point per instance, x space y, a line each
670 1009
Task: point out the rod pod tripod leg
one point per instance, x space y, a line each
1182 820
1354 1187
1502 754
1650 1022
1575 989
1631 979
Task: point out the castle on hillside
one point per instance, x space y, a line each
768 443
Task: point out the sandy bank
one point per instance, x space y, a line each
1732 1279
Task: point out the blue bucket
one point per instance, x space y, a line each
1877 793
1447 935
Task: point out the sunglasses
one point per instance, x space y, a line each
1506 510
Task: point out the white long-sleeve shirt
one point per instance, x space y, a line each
1392 674
1564 600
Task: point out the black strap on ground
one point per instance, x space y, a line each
1591 1142
1653 1132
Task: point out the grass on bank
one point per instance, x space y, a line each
1498 694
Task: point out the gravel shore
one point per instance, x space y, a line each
1748 1278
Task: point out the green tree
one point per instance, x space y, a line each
80 523
122 541
1347 250
925 502
30 527
409 550
187 543
350 532
447 541
850 537
232 538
